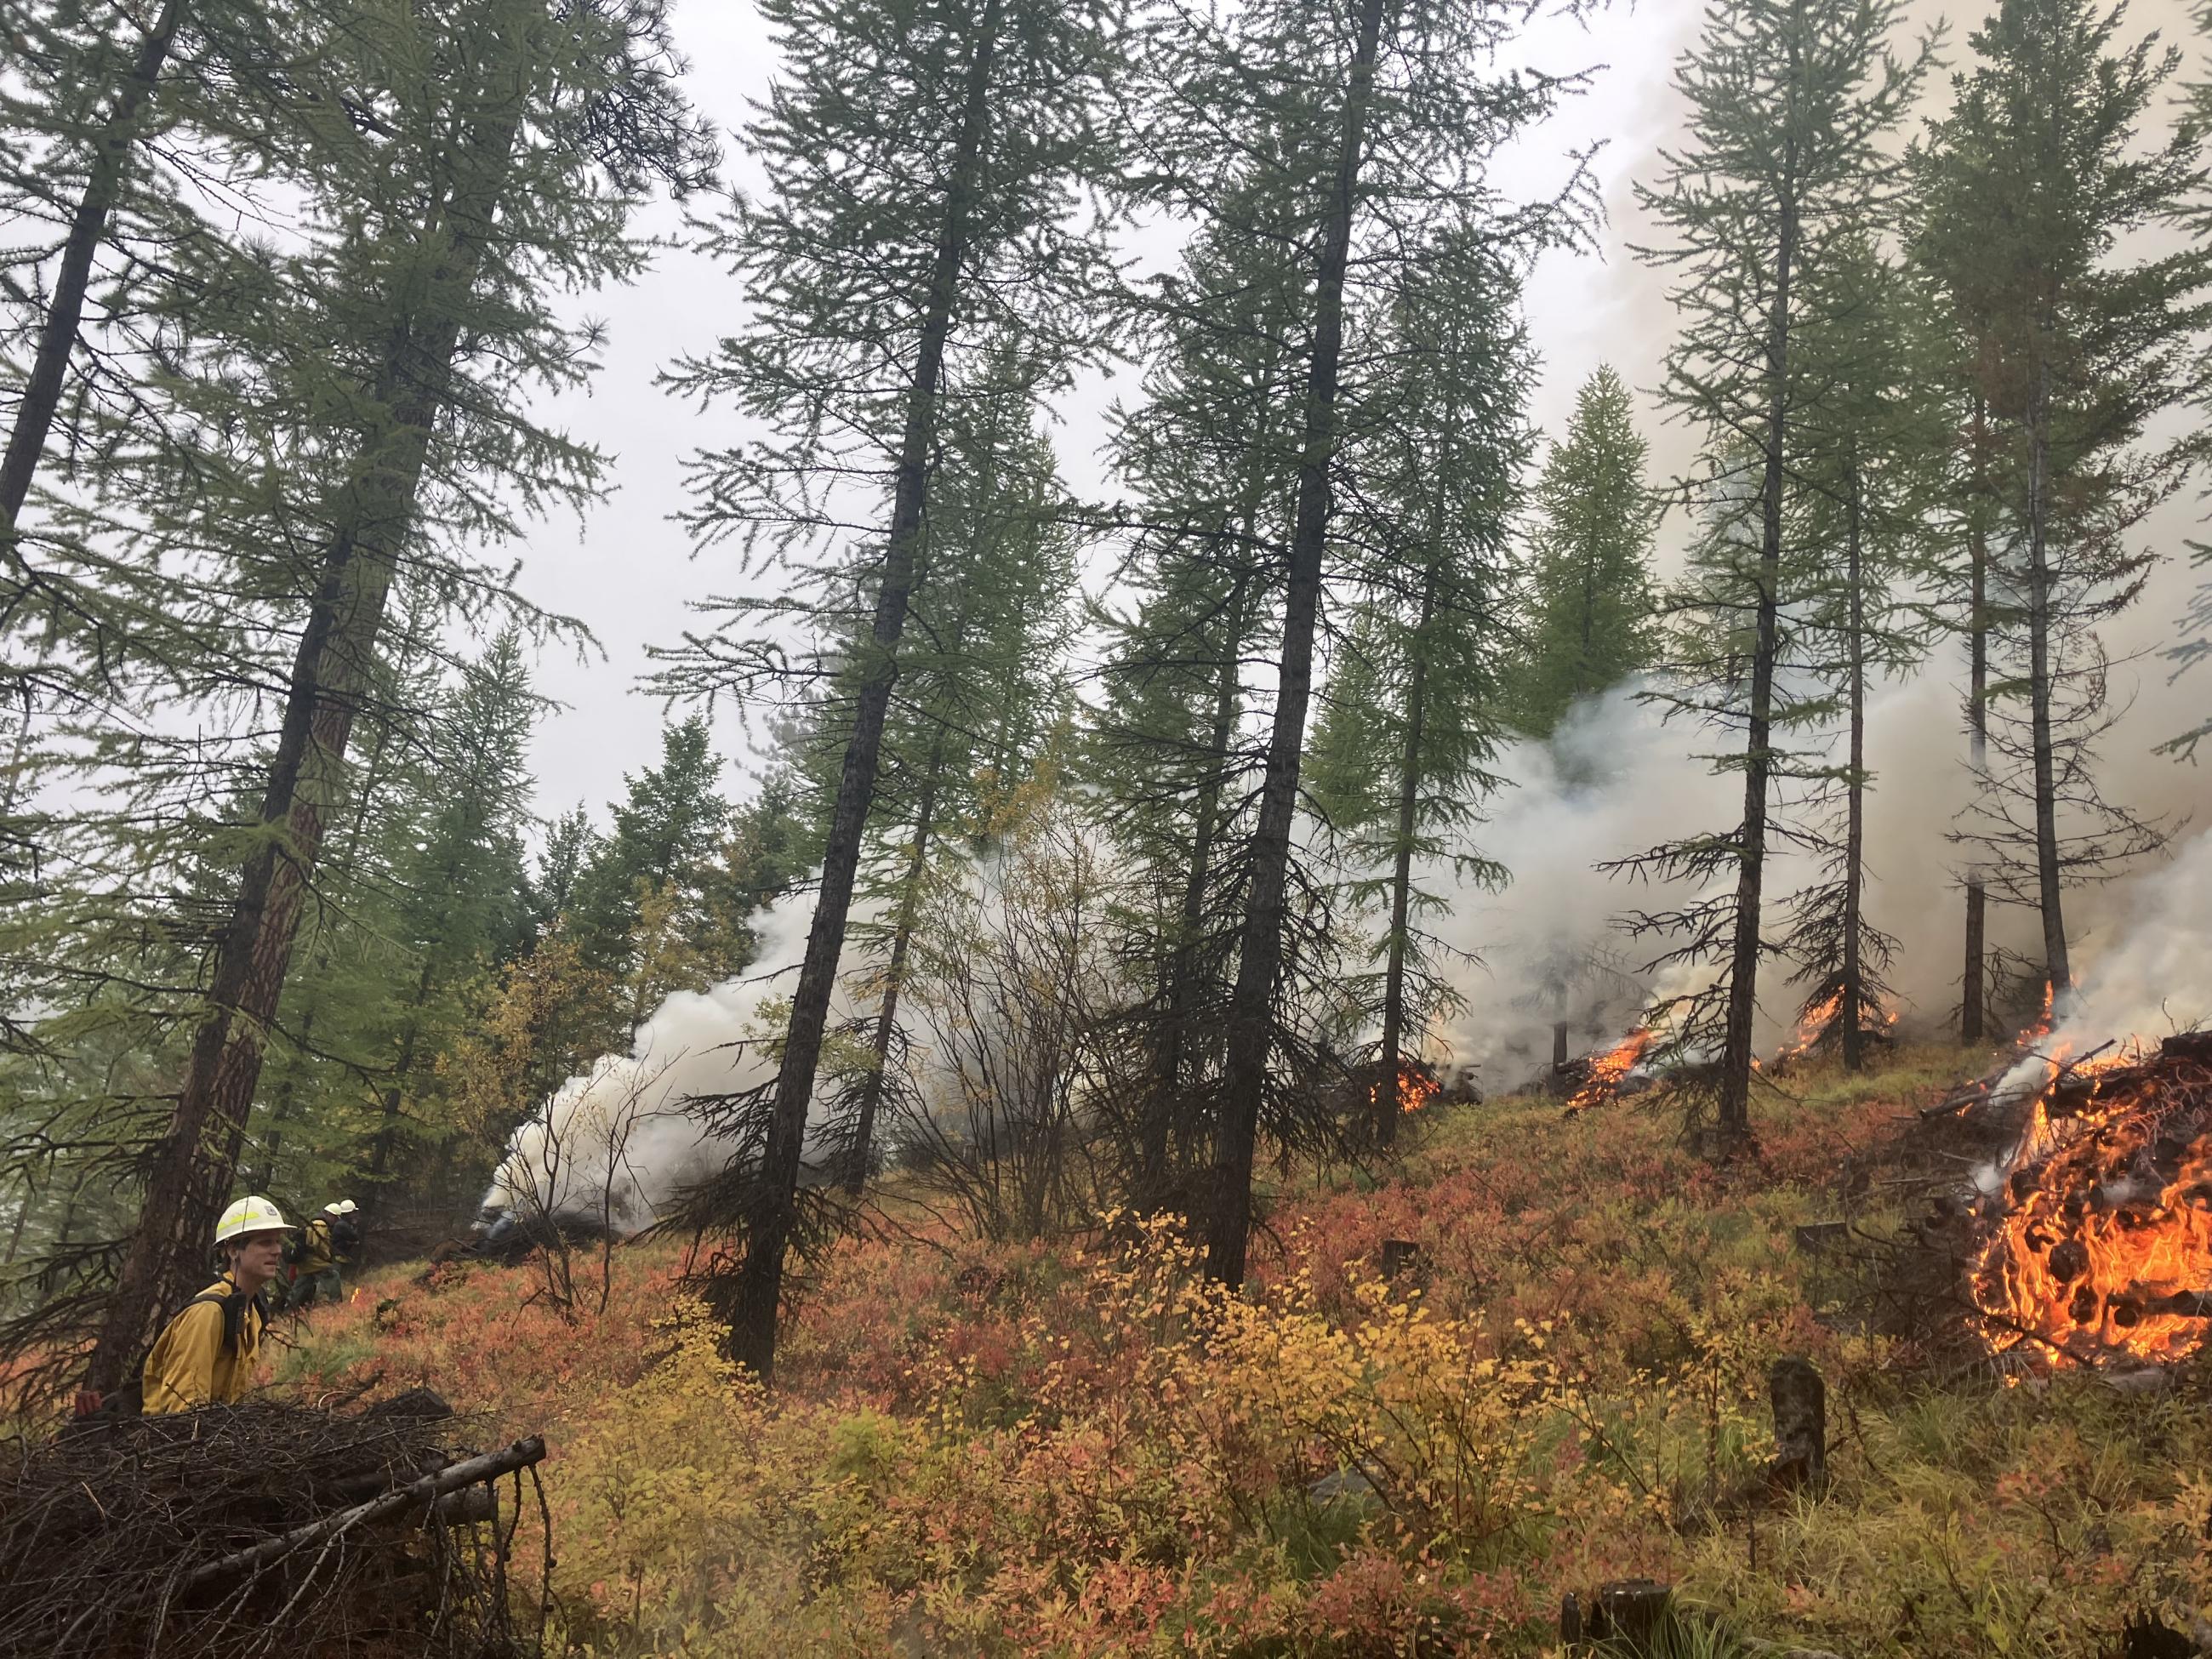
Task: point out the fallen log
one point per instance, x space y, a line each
423 1492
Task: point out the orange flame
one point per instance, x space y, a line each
1416 1088
1607 1071
2097 1254
1816 1020
2041 1028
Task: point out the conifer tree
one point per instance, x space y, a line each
1411 713
926 166
1970 511
1210 457
661 854
92 93
1861 471
1789 102
478 156
568 848
2029 189
1347 134
458 895
1591 624
979 687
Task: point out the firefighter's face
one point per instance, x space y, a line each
257 1256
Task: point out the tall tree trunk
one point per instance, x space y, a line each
755 1299
1735 1106
917 866
1175 1044
1854 997
190 1175
386 1142
58 333
1973 994
1251 1023
1402 870
264 1175
2057 971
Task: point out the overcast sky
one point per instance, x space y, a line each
628 571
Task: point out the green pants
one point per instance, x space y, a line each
306 1288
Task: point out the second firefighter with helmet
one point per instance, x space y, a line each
325 1244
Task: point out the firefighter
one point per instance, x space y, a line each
325 1245
205 1356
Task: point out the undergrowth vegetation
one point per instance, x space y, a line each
1084 1448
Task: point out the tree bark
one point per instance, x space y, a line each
58 333
756 1296
1735 1104
917 865
2057 971
1973 994
1251 1028
190 1178
1401 871
1854 986
1181 986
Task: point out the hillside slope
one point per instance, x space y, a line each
1080 1450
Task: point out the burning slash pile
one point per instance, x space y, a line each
1599 1078
2102 1251
1418 1086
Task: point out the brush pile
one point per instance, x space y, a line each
262 1529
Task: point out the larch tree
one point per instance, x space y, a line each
2031 189
101 104
1413 711
981 687
1345 134
1209 458
1590 623
1790 103
1862 476
929 169
356 434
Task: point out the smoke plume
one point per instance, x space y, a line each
618 1143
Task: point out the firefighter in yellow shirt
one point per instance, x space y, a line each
206 1355
325 1244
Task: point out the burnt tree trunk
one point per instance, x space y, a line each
190 1176
1734 1101
58 333
1973 996
1801 1424
2056 972
1855 997
770 1209
1251 1024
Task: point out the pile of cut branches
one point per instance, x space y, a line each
262 1529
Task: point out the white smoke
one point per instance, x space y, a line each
2150 975
1616 779
621 1141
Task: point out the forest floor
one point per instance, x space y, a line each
1081 1450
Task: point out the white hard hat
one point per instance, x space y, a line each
347 1206
250 1215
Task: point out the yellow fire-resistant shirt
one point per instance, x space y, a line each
316 1251
191 1366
